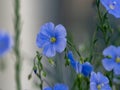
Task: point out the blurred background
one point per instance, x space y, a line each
78 16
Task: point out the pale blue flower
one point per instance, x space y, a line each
57 87
85 68
112 59
6 43
52 39
112 6
99 82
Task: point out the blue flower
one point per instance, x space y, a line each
112 6
57 87
99 82
5 43
85 68
52 39
112 59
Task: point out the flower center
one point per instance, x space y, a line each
99 87
52 39
112 5
118 59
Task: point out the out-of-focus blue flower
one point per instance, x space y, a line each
57 87
112 59
52 39
99 82
112 6
5 43
85 68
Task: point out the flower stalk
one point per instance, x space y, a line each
38 69
17 43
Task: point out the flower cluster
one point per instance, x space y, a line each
53 39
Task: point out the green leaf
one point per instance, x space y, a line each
39 57
51 61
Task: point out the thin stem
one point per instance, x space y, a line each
40 77
99 14
39 68
75 49
17 44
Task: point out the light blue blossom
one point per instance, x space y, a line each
6 43
57 87
85 68
112 59
99 82
52 39
112 6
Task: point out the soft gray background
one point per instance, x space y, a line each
78 16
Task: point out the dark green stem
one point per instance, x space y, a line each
17 43
40 69
40 76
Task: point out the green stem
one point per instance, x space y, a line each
74 84
40 76
40 69
75 49
17 44
99 14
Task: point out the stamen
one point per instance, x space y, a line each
99 87
118 59
53 39
112 5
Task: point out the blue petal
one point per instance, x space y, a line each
108 64
93 86
71 58
86 69
60 44
42 40
93 77
102 79
117 69
110 51
60 31
78 67
49 50
60 87
47 29
75 64
106 87
47 88
44 35
116 11
105 3
6 42
118 51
